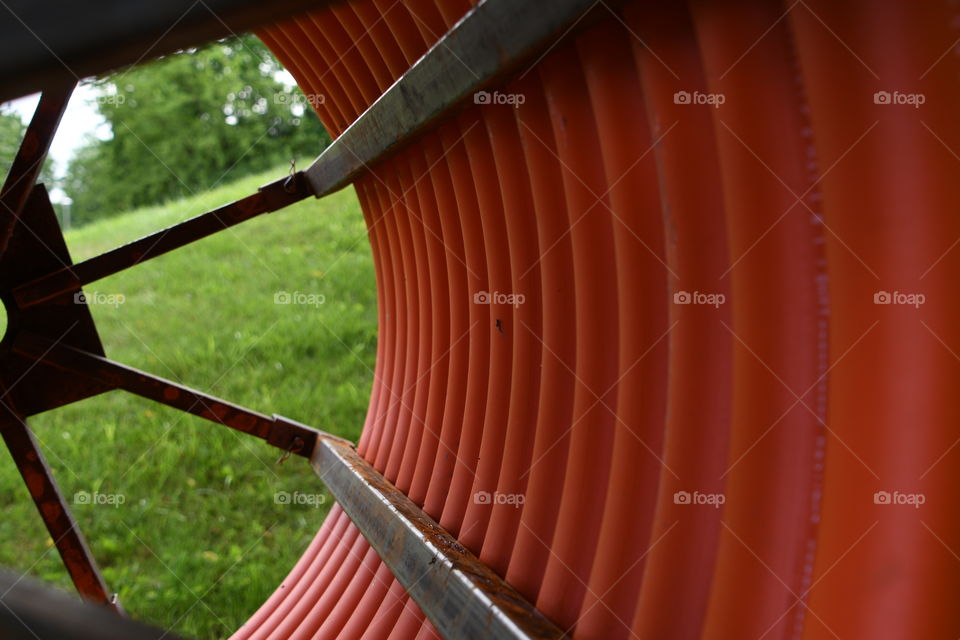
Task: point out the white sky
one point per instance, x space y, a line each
79 121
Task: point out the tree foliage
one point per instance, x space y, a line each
186 122
12 129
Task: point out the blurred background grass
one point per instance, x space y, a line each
200 540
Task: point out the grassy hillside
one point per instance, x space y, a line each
188 530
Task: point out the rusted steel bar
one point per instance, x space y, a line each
270 197
37 247
462 596
488 42
283 433
32 611
53 508
28 162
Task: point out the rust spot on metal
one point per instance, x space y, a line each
35 482
51 510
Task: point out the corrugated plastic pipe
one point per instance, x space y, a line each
634 345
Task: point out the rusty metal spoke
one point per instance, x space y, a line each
53 507
29 159
283 433
270 197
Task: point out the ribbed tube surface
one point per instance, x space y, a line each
659 313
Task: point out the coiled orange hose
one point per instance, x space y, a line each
630 349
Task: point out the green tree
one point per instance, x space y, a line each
187 121
12 129
11 132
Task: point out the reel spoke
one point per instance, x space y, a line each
270 197
283 433
53 508
28 162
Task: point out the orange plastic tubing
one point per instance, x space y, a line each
669 340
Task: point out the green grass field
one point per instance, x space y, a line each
199 540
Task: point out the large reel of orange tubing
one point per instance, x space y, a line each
670 338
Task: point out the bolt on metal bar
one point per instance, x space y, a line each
488 42
460 595
270 197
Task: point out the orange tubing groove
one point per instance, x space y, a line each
629 352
